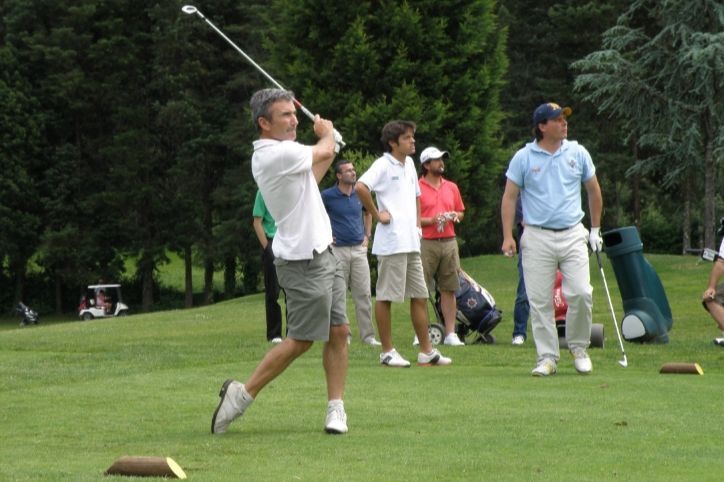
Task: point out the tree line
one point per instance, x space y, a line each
126 132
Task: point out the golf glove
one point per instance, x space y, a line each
595 239
441 225
339 141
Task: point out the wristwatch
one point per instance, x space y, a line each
369 236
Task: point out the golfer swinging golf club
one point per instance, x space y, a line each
288 174
548 173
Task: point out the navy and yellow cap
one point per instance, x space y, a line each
548 111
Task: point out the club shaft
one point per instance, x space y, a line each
256 66
610 304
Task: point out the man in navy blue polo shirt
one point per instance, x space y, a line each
351 228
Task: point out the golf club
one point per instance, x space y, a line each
623 362
190 9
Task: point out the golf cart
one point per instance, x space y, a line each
102 301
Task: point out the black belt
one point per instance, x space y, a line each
441 240
555 230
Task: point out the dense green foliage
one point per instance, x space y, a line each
437 64
125 131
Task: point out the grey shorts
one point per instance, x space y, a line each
316 295
400 276
718 296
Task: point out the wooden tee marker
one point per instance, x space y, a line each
686 368
146 466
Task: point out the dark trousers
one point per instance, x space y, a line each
271 290
521 312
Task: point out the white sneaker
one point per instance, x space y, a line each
415 342
276 340
581 360
232 406
453 340
393 359
545 367
518 340
719 341
336 420
432 359
373 342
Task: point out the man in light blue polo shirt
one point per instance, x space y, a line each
547 173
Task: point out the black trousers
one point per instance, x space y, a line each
271 290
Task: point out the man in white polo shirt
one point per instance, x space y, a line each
393 178
288 174
548 173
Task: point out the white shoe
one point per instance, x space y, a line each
581 360
393 359
415 342
232 406
719 341
433 359
518 340
453 340
545 367
373 342
336 420
276 340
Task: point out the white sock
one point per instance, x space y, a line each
246 399
335 404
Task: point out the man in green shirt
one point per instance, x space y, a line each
265 230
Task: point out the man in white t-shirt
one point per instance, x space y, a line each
287 174
713 297
393 179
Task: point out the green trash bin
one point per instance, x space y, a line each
647 316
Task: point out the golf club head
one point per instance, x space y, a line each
623 362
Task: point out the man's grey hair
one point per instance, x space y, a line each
262 101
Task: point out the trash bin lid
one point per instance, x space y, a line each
621 241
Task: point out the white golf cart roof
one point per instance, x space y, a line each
103 286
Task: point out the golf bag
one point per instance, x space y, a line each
476 314
29 316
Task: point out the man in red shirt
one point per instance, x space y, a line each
440 208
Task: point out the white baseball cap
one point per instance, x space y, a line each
432 153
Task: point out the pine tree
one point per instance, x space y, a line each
21 146
661 70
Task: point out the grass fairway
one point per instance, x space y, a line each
76 396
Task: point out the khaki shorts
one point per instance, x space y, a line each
316 295
400 276
718 296
441 257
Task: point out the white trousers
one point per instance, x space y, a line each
356 270
546 252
